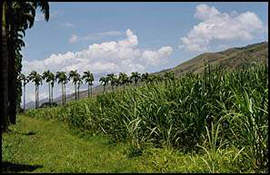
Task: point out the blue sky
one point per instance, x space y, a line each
137 36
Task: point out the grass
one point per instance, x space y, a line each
38 145
54 147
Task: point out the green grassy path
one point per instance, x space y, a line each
49 146
38 145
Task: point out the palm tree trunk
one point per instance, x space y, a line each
65 98
52 94
78 92
62 93
49 93
75 92
12 93
88 91
36 94
4 71
23 97
91 91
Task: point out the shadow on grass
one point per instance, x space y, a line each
7 167
29 133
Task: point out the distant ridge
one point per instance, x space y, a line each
230 58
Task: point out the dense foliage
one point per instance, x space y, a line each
16 18
215 111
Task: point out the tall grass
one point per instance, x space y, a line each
180 113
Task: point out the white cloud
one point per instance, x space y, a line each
99 58
73 38
217 26
112 56
95 36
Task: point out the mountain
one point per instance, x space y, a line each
231 59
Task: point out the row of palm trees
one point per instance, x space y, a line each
123 79
63 78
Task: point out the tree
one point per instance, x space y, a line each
145 77
4 69
129 80
24 81
89 78
111 78
46 77
16 17
63 79
52 79
114 81
37 79
123 79
79 85
104 81
73 74
136 76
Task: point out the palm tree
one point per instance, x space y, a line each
111 78
79 82
4 68
16 17
37 79
75 76
136 76
52 79
104 81
123 79
63 79
20 16
24 80
89 78
129 80
46 77
114 82
145 77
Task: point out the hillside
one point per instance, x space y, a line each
231 58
